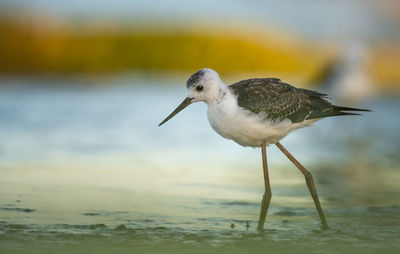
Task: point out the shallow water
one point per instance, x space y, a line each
83 166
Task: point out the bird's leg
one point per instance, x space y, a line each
267 194
310 184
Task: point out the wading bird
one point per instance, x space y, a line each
258 112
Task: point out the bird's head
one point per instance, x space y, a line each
203 85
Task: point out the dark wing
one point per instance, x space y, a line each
273 97
279 100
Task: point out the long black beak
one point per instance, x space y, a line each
186 102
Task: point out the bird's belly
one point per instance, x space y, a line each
248 129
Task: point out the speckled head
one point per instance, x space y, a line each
204 85
202 76
195 78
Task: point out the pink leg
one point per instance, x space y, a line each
310 184
267 194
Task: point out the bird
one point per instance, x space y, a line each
350 76
259 112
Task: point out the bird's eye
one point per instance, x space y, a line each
199 88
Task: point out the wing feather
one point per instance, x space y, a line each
277 100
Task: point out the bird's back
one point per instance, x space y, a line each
279 101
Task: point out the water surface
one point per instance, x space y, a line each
83 166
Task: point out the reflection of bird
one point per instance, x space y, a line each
258 112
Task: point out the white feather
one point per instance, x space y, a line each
246 128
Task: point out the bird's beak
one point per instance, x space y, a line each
186 102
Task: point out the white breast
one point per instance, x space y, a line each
245 127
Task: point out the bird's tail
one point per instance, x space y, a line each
342 111
336 111
340 108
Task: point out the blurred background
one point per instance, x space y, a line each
84 84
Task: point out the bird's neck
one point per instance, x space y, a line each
218 94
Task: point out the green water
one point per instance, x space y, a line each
86 169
